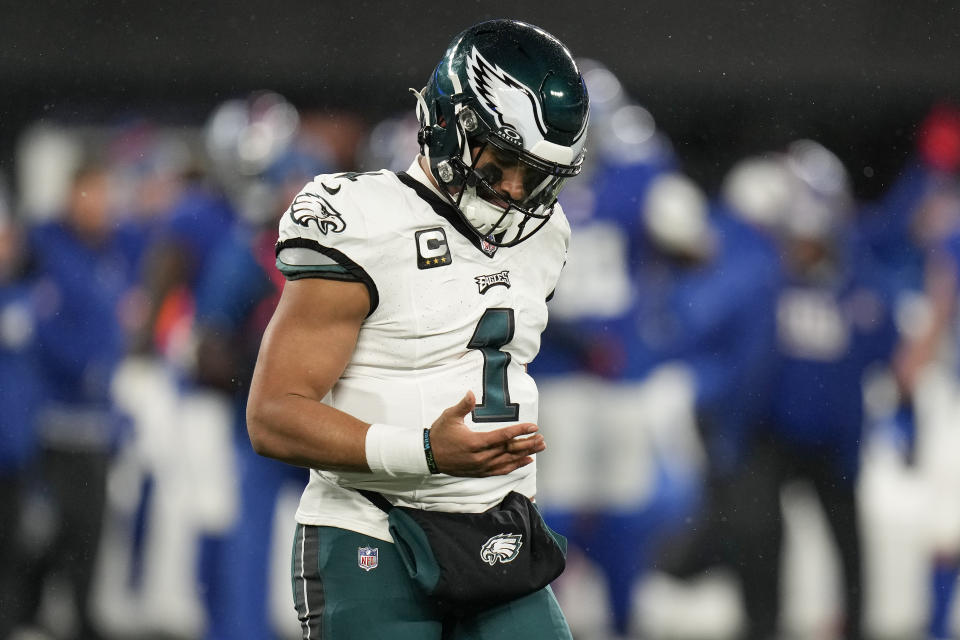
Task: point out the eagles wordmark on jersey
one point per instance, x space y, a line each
448 313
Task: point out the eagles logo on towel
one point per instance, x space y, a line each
503 548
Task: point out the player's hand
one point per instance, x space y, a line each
459 451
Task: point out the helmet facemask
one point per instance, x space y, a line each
505 193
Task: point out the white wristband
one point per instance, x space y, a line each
396 451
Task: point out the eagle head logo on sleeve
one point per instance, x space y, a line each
313 208
503 548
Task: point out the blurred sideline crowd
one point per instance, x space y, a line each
751 397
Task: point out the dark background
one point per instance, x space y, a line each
722 79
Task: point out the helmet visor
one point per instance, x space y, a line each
507 176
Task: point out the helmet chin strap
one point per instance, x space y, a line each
422 112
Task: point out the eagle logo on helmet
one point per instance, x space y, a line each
514 106
503 548
310 207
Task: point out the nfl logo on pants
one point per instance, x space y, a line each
367 557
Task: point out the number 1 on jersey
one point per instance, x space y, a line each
494 330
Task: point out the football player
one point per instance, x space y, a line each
79 342
21 394
416 300
834 323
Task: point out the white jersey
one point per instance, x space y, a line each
448 313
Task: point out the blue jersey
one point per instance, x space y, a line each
828 334
596 293
734 359
134 237
886 226
713 315
952 247
80 335
716 317
196 223
20 383
237 294
233 283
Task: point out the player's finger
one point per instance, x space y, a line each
490 457
506 459
504 468
464 406
499 437
526 446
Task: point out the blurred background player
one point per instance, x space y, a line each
834 322
236 296
604 480
941 448
84 277
204 509
724 316
913 230
180 498
710 286
20 397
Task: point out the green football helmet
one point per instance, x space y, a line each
503 125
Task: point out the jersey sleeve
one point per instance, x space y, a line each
323 234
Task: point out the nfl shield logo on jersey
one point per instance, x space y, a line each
368 557
487 247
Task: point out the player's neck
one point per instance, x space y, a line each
425 165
